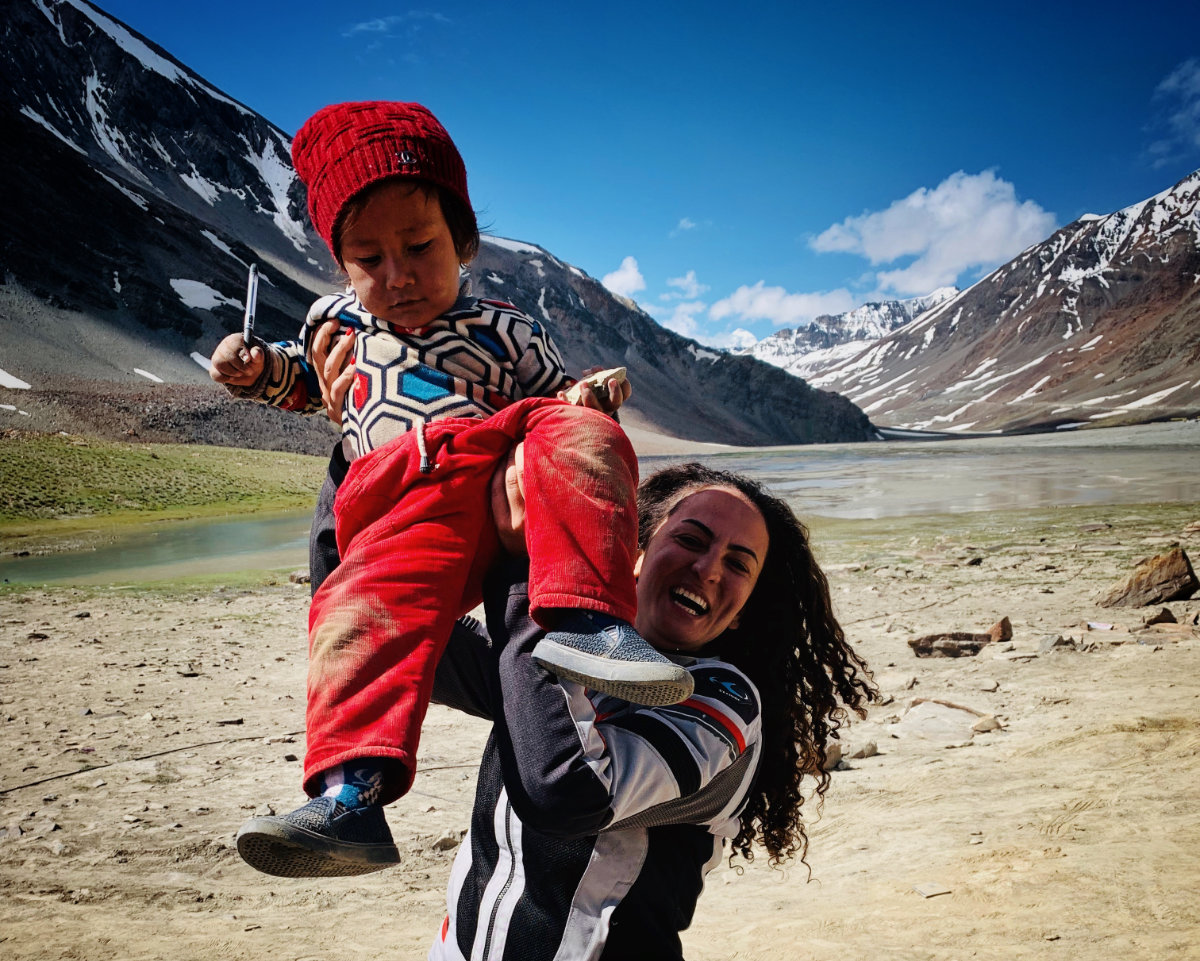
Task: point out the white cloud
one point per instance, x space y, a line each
393 23
780 307
682 319
729 340
742 338
689 287
686 224
967 221
626 280
1180 93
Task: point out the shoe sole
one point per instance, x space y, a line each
639 682
287 851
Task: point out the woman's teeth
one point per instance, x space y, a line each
693 603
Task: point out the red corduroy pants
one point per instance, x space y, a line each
415 548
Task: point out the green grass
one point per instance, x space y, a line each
53 484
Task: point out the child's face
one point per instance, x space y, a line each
400 256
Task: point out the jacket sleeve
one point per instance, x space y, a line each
466 677
540 369
287 380
576 763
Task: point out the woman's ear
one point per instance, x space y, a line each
637 564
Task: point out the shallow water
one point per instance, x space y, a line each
166 550
1123 465
1157 463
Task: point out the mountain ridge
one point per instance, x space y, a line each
808 350
1099 322
142 194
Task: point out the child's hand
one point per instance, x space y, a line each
233 363
332 361
617 391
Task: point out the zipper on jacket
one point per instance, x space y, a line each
508 882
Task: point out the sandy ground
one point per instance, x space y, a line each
141 728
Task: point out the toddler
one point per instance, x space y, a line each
444 386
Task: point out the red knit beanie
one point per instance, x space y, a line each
346 147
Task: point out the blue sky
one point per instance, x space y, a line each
737 168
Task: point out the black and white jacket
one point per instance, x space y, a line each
595 820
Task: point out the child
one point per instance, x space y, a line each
444 387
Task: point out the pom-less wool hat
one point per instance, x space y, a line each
344 148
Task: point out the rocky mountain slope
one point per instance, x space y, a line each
1099 324
810 350
138 194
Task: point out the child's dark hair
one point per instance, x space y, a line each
460 218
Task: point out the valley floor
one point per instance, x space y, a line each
141 728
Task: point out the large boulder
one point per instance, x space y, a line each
1165 577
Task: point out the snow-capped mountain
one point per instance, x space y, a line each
137 195
810 350
1099 324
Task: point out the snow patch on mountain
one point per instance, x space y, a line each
38 118
514 245
137 49
135 197
276 171
111 140
12 383
195 293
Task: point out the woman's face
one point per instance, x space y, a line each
699 569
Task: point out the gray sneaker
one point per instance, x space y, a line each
613 659
322 839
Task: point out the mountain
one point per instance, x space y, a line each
810 350
137 196
1099 324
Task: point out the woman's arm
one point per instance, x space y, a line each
466 678
575 763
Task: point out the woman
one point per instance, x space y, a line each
595 820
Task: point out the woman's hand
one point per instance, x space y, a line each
508 502
332 362
617 393
233 363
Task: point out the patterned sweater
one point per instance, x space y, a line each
473 360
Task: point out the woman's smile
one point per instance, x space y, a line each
699 569
692 603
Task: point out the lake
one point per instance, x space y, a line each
1155 463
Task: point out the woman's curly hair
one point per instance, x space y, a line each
790 645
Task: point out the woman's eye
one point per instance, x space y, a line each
420 248
367 261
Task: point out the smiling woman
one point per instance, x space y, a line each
596 820
697 571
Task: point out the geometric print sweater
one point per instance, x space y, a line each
473 360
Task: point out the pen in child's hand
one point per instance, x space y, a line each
248 338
